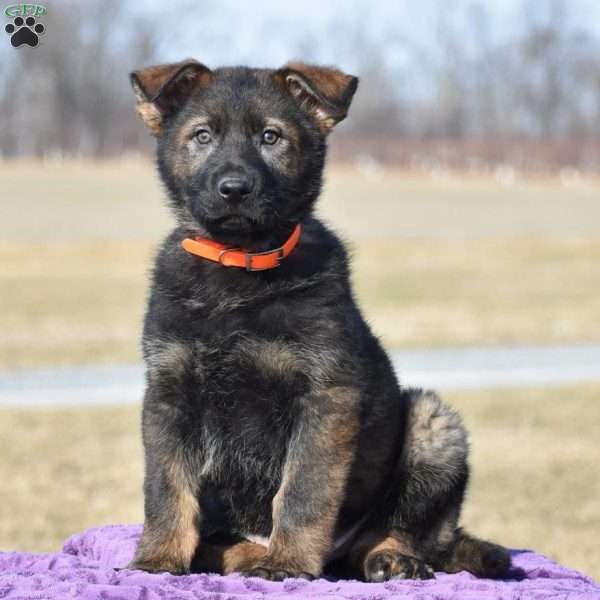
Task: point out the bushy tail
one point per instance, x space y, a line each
479 557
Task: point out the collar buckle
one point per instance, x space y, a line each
250 255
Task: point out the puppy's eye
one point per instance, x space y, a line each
203 136
270 137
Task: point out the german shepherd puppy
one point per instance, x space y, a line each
278 442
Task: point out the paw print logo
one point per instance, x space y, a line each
24 31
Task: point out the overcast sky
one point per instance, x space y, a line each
269 32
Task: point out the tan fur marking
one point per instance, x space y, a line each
372 542
286 359
150 115
171 548
182 162
327 124
305 550
184 536
436 434
307 547
167 356
228 559
275 357
190 155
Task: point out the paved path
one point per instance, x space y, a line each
451 368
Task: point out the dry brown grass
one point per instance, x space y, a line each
67 469
71 302
77 238
535 484
457 205
76 242
79 200
536 470
498 291
82 302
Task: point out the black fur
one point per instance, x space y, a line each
271 409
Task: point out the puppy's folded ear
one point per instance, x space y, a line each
323 92
161 90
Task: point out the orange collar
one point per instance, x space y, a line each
229 256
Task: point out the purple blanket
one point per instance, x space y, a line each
84 570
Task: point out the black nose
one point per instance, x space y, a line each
234 188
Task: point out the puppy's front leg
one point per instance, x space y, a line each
171 507
306 506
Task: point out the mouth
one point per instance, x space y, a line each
233 223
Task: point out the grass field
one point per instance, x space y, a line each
534 454
78 200
439 261
76 302
467 261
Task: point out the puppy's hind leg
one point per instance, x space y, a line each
468 553
417 531
379 555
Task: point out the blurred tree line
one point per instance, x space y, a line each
471 95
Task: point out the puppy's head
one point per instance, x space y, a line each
241 150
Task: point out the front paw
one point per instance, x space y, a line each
276 572
158 566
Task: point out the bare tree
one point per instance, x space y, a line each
498 93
